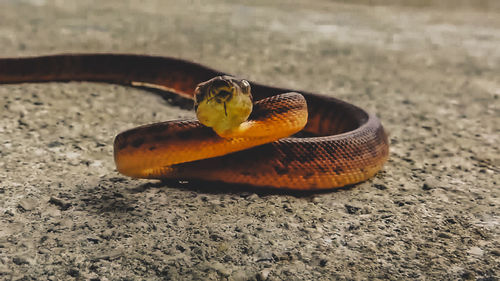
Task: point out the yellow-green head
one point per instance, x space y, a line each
223 103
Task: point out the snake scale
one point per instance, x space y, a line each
342 145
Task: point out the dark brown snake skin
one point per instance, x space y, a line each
349 145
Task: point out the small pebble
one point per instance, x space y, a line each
63 206
351 209
19 260
444 235
220 268
27 204
263 274
476 251
430 183
241 275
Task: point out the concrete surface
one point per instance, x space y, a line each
430 70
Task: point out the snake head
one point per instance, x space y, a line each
223 103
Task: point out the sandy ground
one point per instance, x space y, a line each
430 72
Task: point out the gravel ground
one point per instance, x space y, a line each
429 70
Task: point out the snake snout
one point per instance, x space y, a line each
223 103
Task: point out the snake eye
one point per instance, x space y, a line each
245 87
199 95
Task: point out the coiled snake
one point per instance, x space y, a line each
345 144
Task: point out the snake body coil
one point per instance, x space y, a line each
348 144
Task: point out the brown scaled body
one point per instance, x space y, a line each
349 145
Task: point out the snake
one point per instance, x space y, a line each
297 140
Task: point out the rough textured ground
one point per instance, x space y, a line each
431 73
